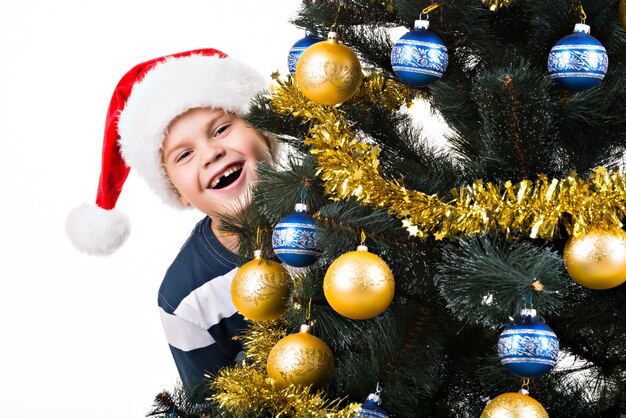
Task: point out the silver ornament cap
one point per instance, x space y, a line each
582 28
421 24
375 397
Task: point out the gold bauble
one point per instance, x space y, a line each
513 405
359 284
328 72
597 259
301 359
622 13
260 289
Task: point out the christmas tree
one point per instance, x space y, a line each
475 233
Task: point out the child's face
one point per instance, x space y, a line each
210 158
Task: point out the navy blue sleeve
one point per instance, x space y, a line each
193 365
197 312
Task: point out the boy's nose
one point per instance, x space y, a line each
212 153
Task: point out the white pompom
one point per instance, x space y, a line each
97 231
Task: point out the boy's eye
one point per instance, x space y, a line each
182 155
221 129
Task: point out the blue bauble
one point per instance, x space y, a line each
530 348
295 239
420 57
371 408
298 48
578 61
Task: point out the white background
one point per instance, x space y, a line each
80 335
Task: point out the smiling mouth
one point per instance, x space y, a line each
227 177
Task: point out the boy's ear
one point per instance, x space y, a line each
183 201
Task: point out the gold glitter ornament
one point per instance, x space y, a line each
301 359
359 284
260 289
328 72
514 405
597 259
622 13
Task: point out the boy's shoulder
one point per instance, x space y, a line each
201 259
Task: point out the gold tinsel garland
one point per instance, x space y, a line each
246 390
495 5
349 167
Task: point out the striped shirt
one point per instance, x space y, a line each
196 309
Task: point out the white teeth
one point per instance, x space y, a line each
225 174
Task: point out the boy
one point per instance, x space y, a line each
174 119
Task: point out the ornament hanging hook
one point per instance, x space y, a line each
525 383
308 311
362 237
527 298
530 301
429 9
333 28
258 236
582 14
535 286
379 389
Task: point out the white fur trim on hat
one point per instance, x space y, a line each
170 89
97 231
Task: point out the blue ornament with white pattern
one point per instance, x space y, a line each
295 239
578 61
371 407
419 58
529 348
298 48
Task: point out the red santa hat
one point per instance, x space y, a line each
144 103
